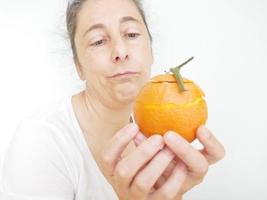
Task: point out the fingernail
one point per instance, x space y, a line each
204 131
171 136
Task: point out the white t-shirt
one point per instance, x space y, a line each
48 159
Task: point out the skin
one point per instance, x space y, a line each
142 168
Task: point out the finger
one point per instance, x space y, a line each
169 169
147 177
165 174
127 167
171 188
112 153
160 182
195 161
139 138
213 149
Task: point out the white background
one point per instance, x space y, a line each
228 39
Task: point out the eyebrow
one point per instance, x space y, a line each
102 26
129 18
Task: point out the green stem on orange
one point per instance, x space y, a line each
177 74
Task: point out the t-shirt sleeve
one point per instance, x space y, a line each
36 166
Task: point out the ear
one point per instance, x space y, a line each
79 69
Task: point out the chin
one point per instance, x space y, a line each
127 94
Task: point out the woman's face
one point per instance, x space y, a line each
113 49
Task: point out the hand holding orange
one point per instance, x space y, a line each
170 102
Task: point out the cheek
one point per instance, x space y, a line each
144 52
96 63
144 56
94 71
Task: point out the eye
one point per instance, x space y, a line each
132 35
98 43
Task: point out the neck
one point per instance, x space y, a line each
102 122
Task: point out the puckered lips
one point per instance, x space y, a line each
124 74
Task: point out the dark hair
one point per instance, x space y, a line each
73 10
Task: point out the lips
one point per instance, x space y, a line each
126 73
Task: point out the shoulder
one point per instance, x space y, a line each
41 124
33 131
41 150
40 139
53 120
57 108
47 132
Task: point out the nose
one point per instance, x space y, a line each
120 51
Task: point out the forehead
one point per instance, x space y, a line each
106 11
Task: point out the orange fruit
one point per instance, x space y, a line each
163 104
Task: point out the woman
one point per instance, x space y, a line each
85 148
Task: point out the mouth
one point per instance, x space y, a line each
124 74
